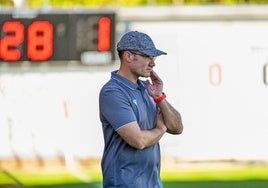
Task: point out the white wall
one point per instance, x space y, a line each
213 74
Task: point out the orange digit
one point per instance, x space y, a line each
215 77
40 41
14 36
104 33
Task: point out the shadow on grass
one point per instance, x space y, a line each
171 184
218 184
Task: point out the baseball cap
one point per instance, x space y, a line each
138 41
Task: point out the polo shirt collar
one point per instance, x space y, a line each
124 81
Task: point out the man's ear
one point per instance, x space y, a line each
132 57
129 56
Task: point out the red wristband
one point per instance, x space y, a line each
160 99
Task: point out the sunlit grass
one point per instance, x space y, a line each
218 172
180 174
38 177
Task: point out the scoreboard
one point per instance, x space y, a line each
36 36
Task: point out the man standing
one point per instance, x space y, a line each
135 114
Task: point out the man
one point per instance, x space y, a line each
135 114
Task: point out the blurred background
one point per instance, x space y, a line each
56 55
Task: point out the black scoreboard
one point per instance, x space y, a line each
37 36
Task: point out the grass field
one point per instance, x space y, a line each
180 175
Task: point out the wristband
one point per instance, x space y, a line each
160 99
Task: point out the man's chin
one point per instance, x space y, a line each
146 75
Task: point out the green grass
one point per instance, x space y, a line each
236 173
192 176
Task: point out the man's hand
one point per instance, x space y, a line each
155 88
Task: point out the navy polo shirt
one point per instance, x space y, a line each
121 103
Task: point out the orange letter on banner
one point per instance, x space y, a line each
215 77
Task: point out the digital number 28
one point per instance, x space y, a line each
39 41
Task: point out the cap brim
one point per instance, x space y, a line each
154 52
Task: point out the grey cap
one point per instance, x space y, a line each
138 41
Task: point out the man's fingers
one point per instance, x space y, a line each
148 83
155 77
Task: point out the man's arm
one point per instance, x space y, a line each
172 118
140 139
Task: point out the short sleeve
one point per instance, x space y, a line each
115 108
